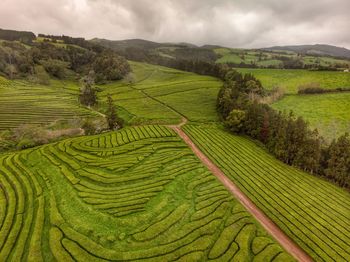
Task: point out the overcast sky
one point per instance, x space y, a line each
235 23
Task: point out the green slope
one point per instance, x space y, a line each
136 194
329 113
291 79
314 213
158 94
22 102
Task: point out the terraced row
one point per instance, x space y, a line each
311 211
24 103
162 95
136 194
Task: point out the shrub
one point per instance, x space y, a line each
25 143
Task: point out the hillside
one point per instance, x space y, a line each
319 50
321 57
122 196
182 178
311 211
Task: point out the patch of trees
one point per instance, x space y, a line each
12 35
314 88
19 61
109 66
78 41
287 137
196 54
15 60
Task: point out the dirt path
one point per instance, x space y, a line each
259 215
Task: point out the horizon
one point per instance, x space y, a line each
242 24
180 42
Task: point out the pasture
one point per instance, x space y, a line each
329 113
135 194
291 79
313 212
272 59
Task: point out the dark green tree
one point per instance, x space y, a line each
113 121
88 95
338 168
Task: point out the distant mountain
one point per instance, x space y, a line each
121 45
327 50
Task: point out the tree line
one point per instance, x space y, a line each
12 35
286 136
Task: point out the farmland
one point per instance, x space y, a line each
163 95
291 79
22 102
263 58
329 113
138 193
314 213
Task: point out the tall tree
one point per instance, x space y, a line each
88 95
113 121
339 160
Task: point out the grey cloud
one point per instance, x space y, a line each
236 23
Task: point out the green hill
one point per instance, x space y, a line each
317 49
163 95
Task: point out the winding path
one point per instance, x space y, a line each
288 244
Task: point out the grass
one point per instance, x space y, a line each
139 193
22 102
329 113
291 79
158 94
266 59
314 213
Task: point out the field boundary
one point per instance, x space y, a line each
287 243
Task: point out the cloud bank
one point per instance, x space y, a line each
234 23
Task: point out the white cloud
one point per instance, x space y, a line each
237 23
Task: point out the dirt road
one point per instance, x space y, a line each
259 215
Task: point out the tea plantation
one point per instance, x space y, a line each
314 213
136 194
22 102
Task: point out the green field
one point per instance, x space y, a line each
265 59
141 194
314 213
329 113
136 194
291 79
22 102
163 95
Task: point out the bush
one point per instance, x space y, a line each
55 68
25 143
235 120
89 127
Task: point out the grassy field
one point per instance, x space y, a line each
163 95
314 213
136 194
329 113
265 59
22 102
291 79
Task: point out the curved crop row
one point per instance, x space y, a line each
135 194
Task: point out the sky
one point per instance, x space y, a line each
232 23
